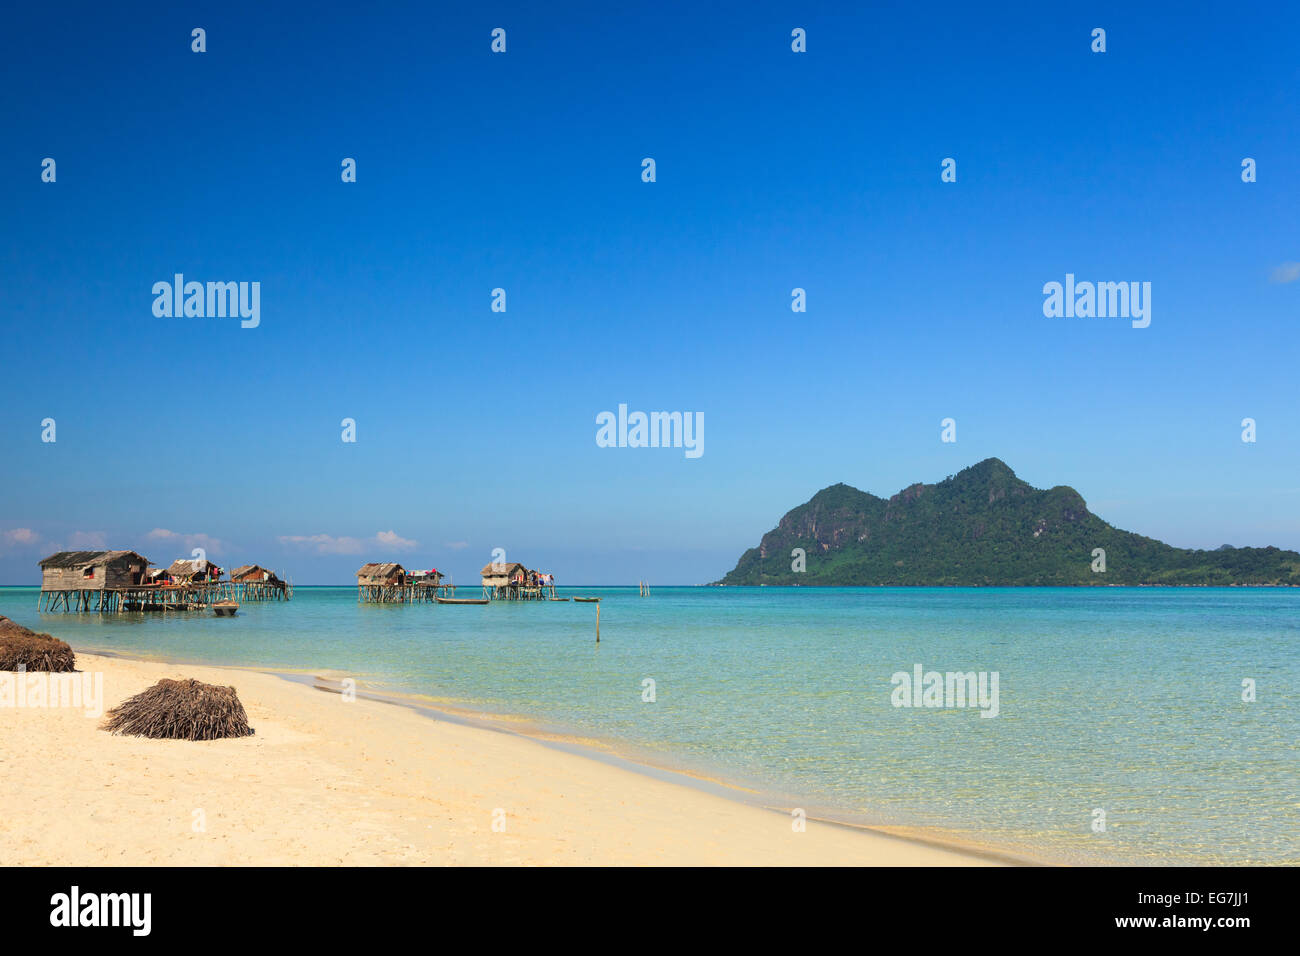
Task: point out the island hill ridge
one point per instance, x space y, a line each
984 527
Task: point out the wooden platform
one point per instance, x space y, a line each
256 590
403 593
144 597
518 592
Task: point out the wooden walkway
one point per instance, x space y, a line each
518 592
158 597
417 593
256 590
149 597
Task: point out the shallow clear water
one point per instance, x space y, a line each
1123 699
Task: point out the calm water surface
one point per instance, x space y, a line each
1122 699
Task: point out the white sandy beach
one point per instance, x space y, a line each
326 782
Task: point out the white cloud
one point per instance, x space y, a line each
456 545
21 536
1287 272
393 540
87 541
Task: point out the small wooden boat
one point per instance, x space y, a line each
443 600
588 600
225 608
557 599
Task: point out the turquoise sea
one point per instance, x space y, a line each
1127 700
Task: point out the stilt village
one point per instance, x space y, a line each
121 581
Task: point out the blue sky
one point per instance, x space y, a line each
522 170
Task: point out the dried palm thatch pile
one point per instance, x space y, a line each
181 710
21 647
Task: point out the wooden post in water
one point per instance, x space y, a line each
595 601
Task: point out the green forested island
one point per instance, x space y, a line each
984 526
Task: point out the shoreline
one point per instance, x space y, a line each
528 728
603 752
632 813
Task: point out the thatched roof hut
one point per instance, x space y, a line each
92 570
194 571
253 574
390 574
500 574
181 710
25 648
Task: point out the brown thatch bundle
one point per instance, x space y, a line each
181 710
20 646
